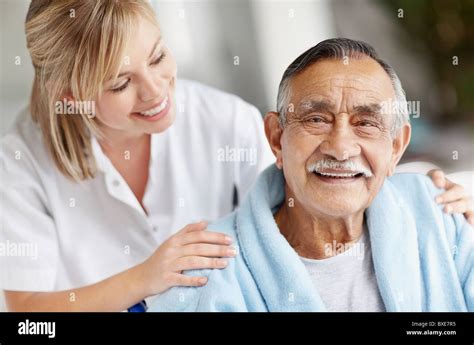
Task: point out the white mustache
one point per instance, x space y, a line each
352 166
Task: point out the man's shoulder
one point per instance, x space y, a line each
417 193
225 225
182 299
413 185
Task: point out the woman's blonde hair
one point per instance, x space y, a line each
76 46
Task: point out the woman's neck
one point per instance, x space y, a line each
131 157
114 143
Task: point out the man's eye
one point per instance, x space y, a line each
317 119
365 124
122 87
159 59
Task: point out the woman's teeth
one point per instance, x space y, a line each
157 109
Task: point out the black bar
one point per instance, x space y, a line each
240 328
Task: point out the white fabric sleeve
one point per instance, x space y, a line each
463 178
249 134
415 167
28 238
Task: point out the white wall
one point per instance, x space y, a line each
15 81
284 30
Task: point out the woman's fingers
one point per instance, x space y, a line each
438 177
464 206
199 262
194 227
454 198
470 217
184 280
454 193
204 237
209 250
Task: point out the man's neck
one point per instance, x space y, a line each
310 235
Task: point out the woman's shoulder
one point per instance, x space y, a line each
221 115
197 91
199 99
22 130
22 146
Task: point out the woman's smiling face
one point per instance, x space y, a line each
141 99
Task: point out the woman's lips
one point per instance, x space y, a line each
162 113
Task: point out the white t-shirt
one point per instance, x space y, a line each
346 281
58 234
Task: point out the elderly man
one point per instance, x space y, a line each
328 228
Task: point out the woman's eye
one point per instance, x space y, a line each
122 87
159 59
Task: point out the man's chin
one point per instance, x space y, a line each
338 205
338 200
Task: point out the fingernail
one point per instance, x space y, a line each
448 209
231 252
203 281
439 199
228 239
221 263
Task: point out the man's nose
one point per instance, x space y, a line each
340 144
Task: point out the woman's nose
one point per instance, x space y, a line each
151 88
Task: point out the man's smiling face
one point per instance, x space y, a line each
335 114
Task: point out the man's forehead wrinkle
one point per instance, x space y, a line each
339 85
334 100
355 81
340 92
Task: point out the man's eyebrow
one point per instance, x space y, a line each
373 108
151 54
322 106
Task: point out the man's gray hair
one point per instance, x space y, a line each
341 48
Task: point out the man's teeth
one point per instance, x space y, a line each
156 109
338 174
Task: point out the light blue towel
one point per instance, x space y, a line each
423 258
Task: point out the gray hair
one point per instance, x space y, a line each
339 48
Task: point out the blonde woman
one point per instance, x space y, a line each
114 156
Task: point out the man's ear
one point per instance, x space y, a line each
273 131
400 143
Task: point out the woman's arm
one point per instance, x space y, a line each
116 293
191 248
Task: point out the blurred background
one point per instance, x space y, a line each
243 47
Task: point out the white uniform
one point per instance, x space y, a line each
57 234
